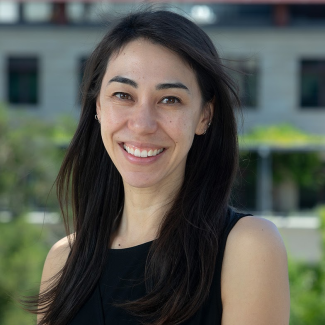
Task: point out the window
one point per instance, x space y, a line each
307 14
9 12
245 74
23 80
37 12
76 12
312 84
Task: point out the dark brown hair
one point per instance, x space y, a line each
181 261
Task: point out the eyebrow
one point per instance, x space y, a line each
178 85
124 80
161 86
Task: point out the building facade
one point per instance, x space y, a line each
283 64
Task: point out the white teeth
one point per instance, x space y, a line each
143 153
137 152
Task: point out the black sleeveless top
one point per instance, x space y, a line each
120 282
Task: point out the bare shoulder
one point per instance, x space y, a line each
255 286
56 258
254 230
62 247
255 240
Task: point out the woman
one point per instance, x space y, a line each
150 169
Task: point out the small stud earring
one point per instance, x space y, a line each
205 131
96 118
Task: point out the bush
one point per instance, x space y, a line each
23 248
31 152
307 287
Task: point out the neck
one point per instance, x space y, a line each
144 209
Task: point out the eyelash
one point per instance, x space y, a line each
119 94
122 94
176 99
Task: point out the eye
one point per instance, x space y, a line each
170 100
123 96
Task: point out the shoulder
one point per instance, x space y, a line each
250 230
55 260
57 257
59 252
254 274
254 239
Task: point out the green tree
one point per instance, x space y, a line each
307 286
23 248
31 152
290 160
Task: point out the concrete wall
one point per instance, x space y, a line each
279 52
301 237
59 51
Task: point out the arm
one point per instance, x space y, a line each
54 262
254 279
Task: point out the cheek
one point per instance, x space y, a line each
183 129
111 116
111 120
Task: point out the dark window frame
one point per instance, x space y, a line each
250 77
312 91
23 74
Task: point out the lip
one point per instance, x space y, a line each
141 160
143 146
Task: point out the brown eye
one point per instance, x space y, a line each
123 96
170 100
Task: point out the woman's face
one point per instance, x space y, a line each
149 108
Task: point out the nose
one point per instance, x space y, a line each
143 119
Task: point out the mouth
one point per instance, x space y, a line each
142 153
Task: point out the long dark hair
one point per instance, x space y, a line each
181 261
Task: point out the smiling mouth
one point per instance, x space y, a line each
142 153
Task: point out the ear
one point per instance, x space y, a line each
98 108
205 118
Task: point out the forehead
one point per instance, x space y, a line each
146 60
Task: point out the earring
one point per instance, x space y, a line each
96 118
205 131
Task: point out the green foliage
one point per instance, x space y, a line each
31 152
307 294
281 135
304 168
307 286
23 249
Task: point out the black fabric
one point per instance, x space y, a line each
122 279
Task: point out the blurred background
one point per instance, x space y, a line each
274 49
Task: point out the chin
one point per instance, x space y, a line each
140 181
